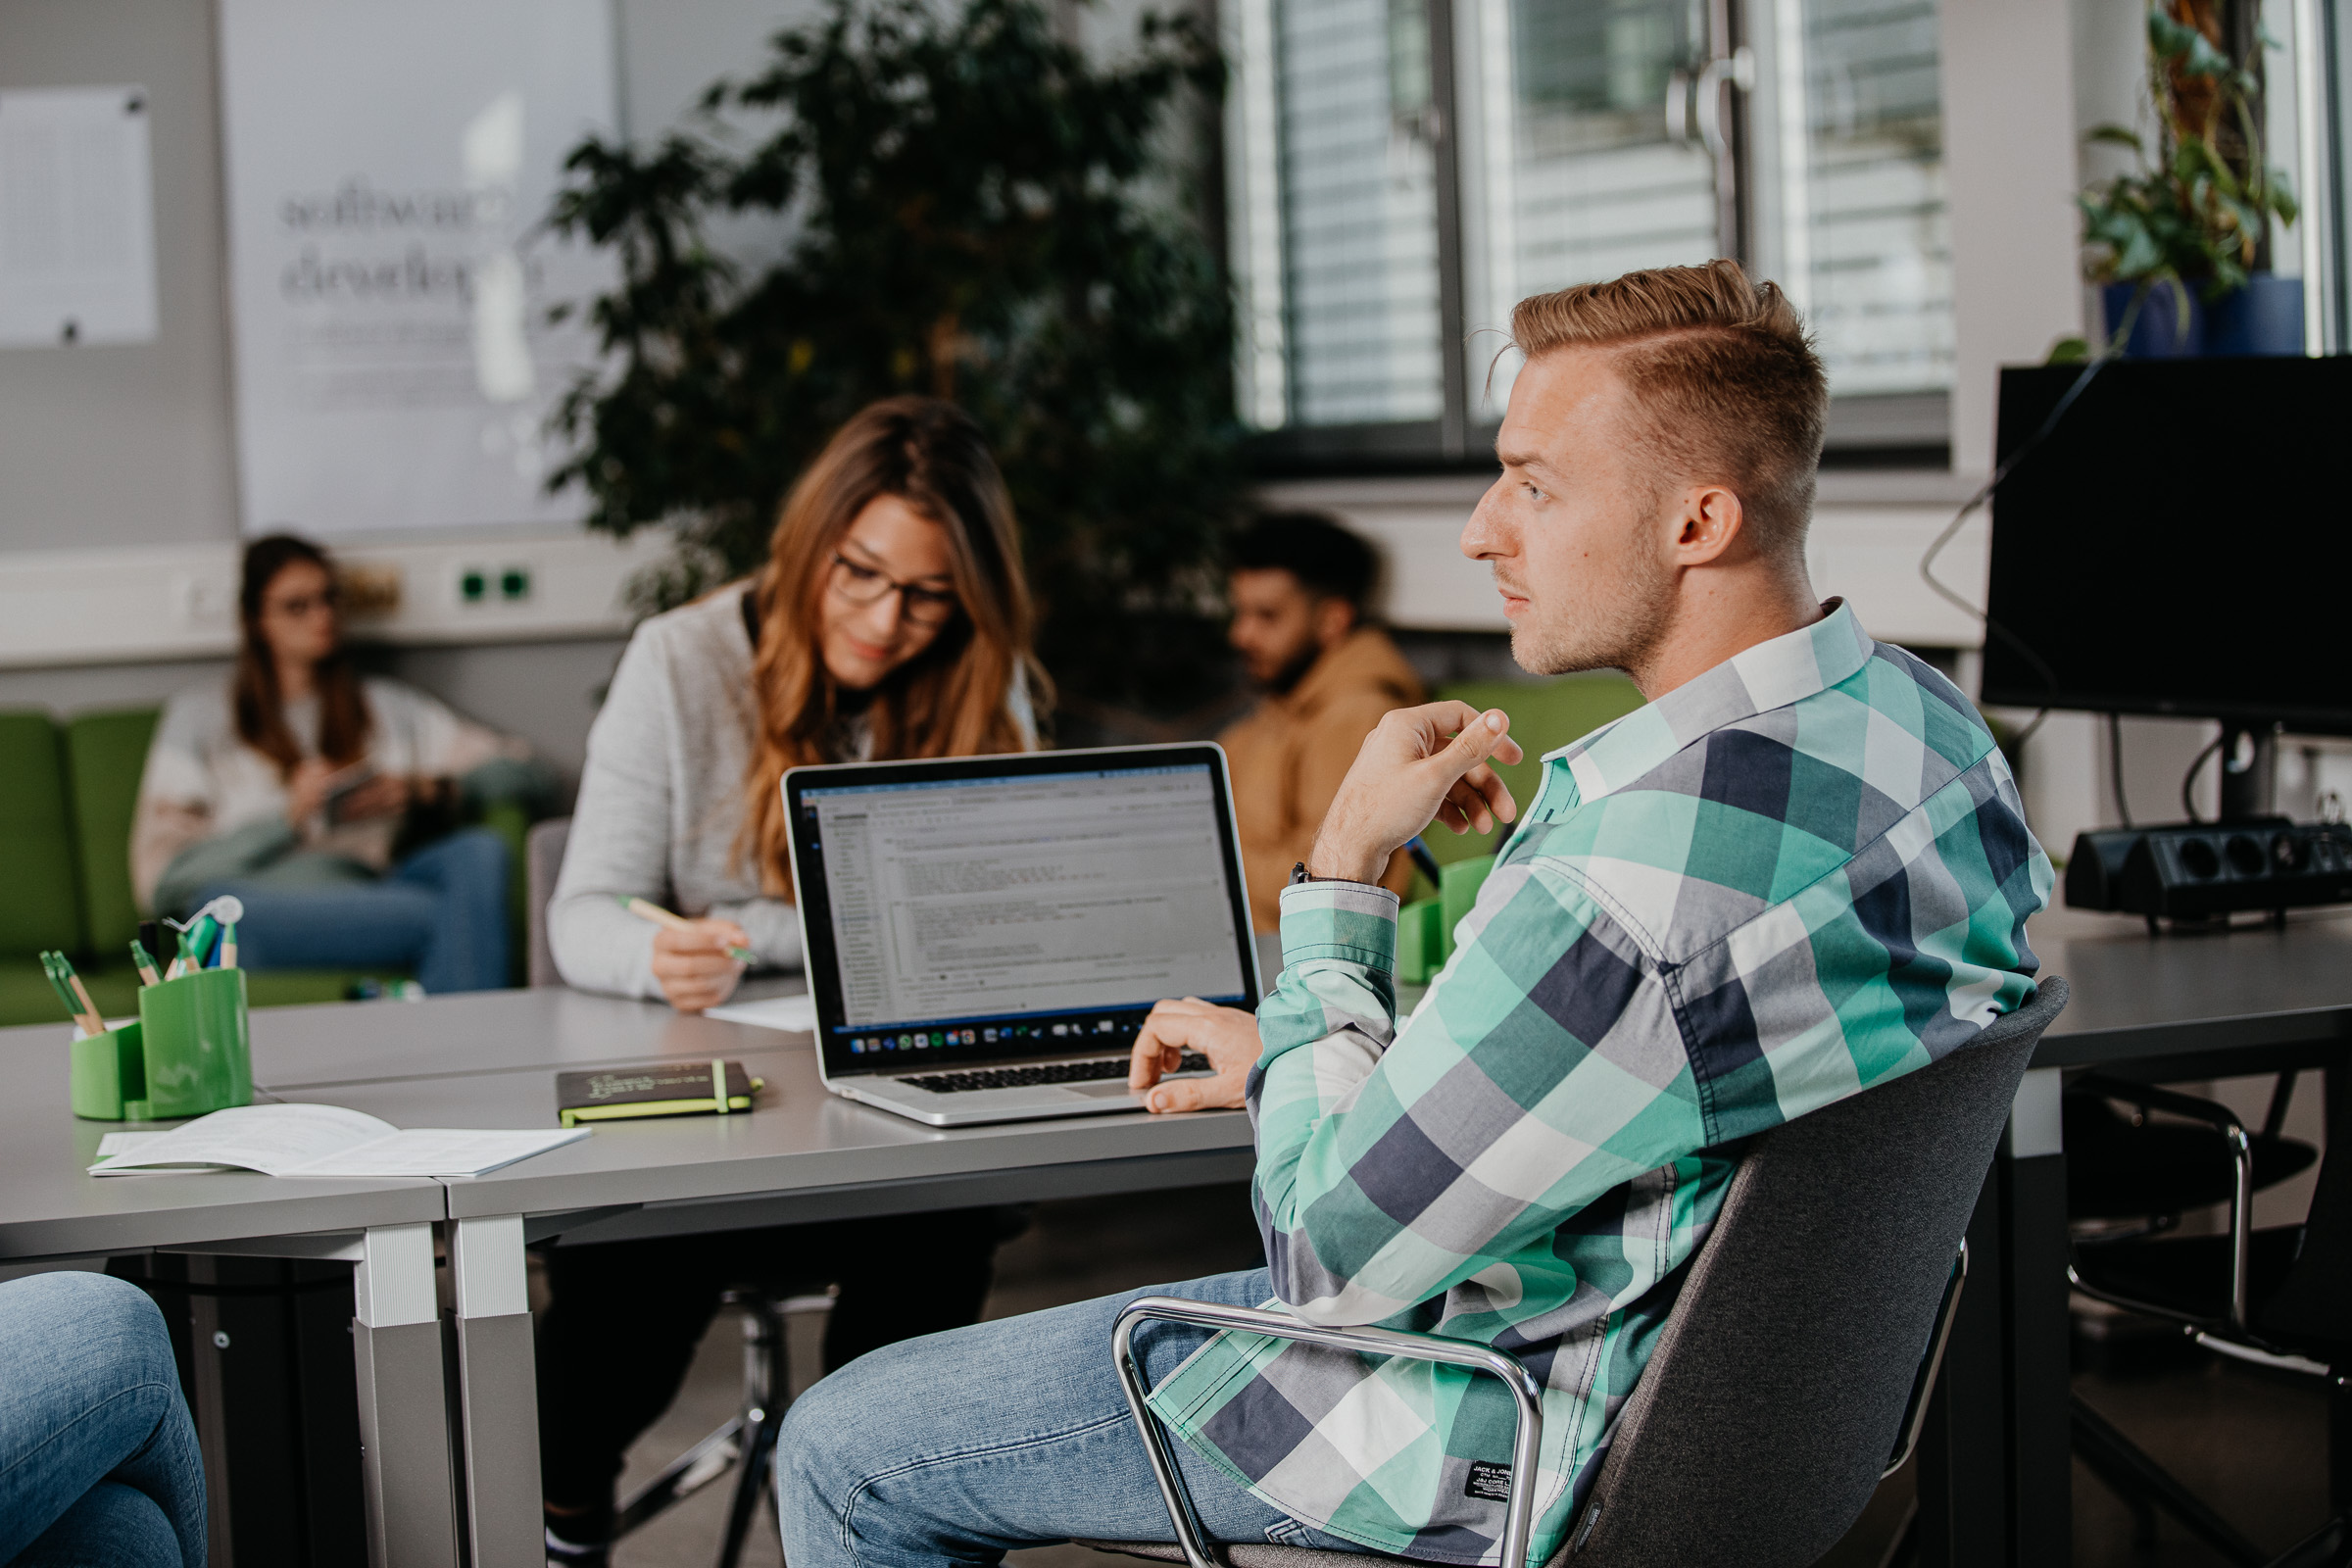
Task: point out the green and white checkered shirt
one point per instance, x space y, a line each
1801 874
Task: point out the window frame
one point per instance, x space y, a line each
1866 430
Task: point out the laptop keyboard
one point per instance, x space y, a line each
1048 1072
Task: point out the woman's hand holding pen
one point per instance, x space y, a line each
1226 1035
693 965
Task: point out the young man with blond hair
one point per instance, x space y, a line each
1799 872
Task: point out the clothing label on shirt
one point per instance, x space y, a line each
1488 1482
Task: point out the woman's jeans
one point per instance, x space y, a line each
441 913
98 1460
962 1445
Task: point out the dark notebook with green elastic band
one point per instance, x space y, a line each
662 1089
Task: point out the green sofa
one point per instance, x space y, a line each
66 794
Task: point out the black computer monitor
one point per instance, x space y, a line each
2179 542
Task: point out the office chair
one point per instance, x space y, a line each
1795 1371
2278 1298
543 850
2129 1167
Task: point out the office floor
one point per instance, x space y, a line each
2252 1445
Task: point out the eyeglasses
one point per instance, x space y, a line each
302 605
864 585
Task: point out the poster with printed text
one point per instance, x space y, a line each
389 168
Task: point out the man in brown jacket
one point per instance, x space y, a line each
1298 588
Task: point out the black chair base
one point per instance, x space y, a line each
746 1443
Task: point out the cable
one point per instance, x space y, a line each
2115 766
1951 530
2189 780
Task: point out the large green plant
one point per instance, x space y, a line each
977 209
2195 210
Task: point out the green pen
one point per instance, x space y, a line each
77 1000
57 983
145 965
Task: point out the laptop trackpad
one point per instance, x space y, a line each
1113 1089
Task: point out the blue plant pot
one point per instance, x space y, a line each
2157 332
2266 316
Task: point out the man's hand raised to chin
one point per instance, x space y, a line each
1420 765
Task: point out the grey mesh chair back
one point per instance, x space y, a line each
543 858
1772 1403
1778 1392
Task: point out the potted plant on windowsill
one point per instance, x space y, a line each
2175 242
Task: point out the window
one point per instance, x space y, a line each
1403 171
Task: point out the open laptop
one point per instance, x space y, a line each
985 935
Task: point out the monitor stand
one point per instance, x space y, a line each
2249 770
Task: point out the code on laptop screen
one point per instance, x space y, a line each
1050 894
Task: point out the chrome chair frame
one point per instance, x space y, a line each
1526 1394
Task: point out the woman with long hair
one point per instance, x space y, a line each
320 798
890 620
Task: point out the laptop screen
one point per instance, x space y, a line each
997 908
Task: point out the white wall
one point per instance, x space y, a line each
2009 151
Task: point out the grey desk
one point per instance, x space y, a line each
51 1210
1995 1465
804 1155
1994 1470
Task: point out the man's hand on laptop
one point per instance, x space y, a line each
1226 1035
692 966
1418 765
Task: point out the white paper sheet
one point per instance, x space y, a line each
444 1152
113 1144
322 1141
793 1015
77 218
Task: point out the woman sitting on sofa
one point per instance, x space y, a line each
316 796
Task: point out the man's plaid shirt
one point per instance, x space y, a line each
1801 874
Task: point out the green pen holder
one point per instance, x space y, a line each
1420 942
109 1071
1425 927
198 1056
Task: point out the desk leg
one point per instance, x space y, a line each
1995 1461
497 1399
404 1418
1963 1482
2040 1426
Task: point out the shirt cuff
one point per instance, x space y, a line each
1355 922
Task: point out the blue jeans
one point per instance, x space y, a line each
98 1461
959 1447
441 913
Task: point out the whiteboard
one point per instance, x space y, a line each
387 166
77 218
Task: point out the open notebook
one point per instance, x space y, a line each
322 1141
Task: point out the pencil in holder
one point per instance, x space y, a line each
198 1056
110 1074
